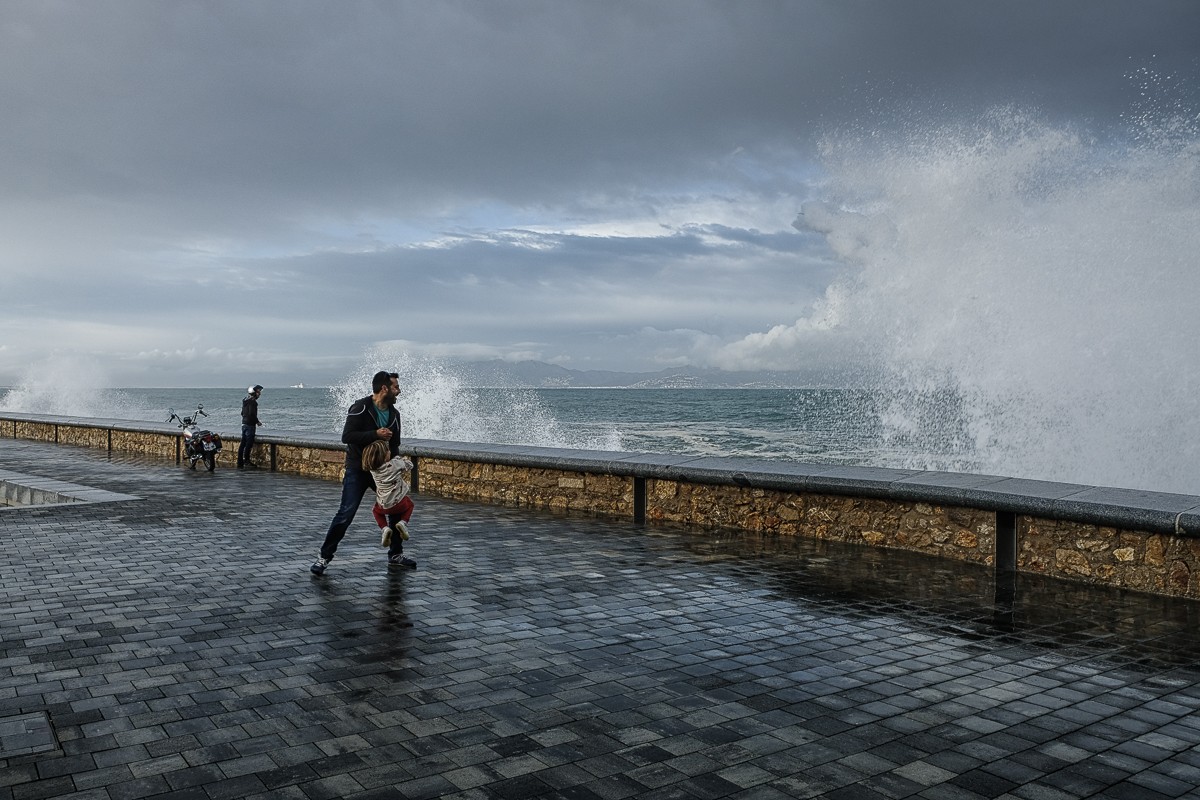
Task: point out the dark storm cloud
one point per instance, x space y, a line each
306 104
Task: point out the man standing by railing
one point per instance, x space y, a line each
250 423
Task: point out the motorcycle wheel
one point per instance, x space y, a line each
210 462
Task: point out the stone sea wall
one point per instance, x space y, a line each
947 531
1152 562
528 487
1136 540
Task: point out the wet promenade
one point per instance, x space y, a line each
176 646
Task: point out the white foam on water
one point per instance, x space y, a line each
1029 295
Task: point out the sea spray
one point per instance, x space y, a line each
436 403
1028 294
72 387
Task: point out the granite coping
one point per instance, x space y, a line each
1130 509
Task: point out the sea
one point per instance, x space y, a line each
818 425
821 425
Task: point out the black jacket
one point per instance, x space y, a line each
250 411
360 427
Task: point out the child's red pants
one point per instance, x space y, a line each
403 509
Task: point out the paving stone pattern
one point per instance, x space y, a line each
180 648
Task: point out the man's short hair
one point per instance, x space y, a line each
382 378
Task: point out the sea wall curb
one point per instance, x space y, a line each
1132 539
31 491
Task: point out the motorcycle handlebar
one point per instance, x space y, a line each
200 412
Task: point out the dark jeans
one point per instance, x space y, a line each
247 444
355 484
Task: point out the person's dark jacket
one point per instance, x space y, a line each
360 427
250 411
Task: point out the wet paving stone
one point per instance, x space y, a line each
177 645
24 734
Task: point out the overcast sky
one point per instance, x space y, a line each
219 193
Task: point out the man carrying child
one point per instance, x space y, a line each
371 419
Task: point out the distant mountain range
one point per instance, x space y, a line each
539 375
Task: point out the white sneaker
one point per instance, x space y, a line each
385 536
402 529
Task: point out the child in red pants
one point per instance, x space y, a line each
393 507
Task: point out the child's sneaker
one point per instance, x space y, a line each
402 561
385 536
318 566
402 529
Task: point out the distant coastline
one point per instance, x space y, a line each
540 375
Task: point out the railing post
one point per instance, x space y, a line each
1004 612
1006 542
639 501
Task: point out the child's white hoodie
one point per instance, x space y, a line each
390 483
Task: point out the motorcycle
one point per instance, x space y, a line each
198 445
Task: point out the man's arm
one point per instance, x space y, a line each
394 432
360 426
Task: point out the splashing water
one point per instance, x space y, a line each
66 386
436 404
1028 296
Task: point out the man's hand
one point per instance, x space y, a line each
384 433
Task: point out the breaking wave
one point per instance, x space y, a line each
1026 294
